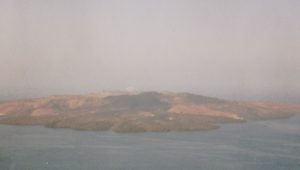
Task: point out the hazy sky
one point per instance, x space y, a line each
247 49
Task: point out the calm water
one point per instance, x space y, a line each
266 145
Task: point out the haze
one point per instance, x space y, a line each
228 49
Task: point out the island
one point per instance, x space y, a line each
126 112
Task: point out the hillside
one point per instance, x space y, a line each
138 112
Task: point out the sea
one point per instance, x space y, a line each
260 145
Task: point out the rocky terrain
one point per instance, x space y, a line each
139 111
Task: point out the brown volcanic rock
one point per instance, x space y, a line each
138 112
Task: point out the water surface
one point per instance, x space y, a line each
249 146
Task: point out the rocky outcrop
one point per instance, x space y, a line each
139 111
